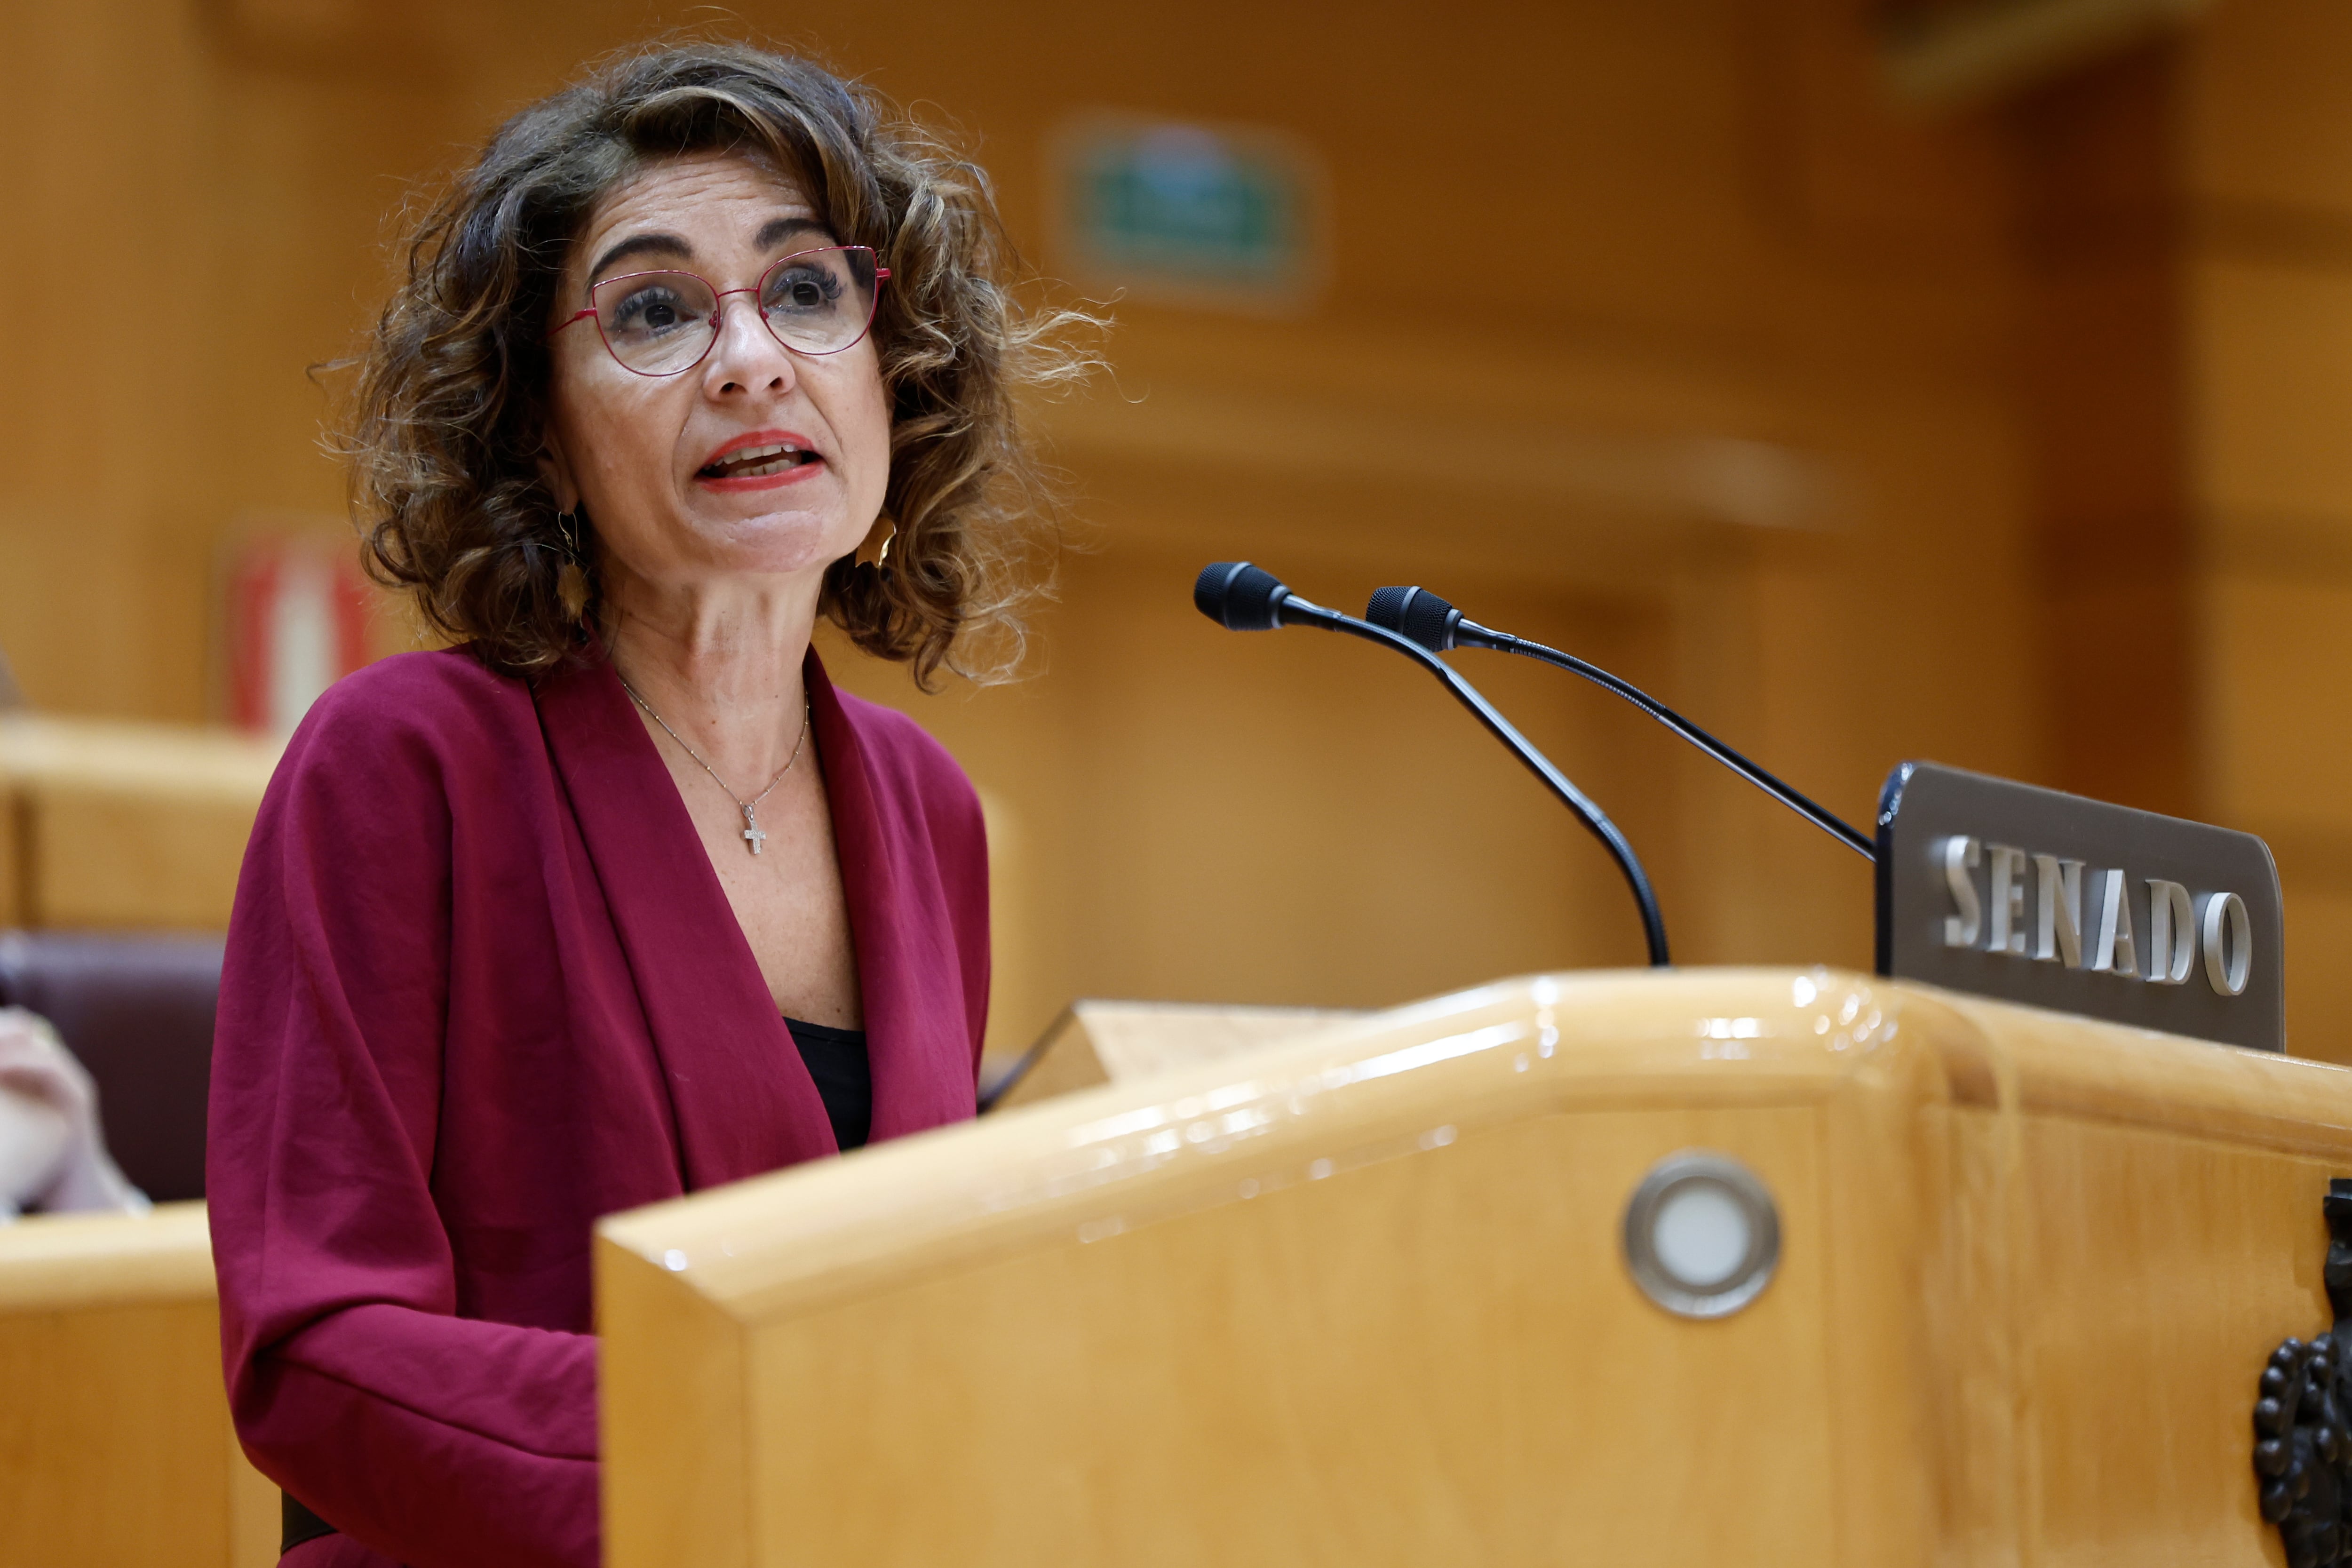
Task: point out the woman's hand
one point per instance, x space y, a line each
52 1153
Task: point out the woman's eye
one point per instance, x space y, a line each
651 311
803 291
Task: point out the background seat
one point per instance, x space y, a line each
137 1010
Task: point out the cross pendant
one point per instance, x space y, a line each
751 832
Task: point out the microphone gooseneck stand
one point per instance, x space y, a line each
1430 623
1245 598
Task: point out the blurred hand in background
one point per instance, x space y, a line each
52 1151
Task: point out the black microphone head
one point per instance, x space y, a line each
1239 596
1415 614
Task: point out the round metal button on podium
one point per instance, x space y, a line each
1702 1235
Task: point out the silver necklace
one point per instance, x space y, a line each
753 833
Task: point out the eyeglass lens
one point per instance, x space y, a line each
817 302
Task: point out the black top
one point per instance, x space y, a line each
837 1058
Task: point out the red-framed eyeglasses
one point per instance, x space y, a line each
661 323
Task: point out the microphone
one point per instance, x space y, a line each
1430 623
1241 597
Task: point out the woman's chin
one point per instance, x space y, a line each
776 541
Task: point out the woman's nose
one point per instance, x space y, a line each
747 355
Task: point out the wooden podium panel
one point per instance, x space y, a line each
111 823
115 1445
1095 1042
1362 1299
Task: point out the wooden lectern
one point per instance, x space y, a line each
106 823
115 1445
1365 1298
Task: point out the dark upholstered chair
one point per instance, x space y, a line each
138 1012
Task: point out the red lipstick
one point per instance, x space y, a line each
760 460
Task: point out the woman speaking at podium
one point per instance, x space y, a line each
618 898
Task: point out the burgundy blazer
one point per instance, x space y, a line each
483 988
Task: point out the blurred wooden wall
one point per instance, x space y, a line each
1746 396
2266 159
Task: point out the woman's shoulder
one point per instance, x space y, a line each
441 703
902 750
920 786
896 740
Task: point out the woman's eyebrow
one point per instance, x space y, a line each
777 230
668 245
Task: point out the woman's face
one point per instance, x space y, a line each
670 468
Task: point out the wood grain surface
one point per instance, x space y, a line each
1360 1299
117 825
115 1445
1095 1042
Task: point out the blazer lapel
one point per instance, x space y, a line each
743 1099
907 973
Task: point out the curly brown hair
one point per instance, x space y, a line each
443 447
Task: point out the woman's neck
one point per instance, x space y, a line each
720 661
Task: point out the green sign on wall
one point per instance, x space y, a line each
1216 216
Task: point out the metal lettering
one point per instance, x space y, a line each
2058 932
2112 952
2228 977
1960 859
2008 898
2171 935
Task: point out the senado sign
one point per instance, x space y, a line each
2034 895
2173 927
